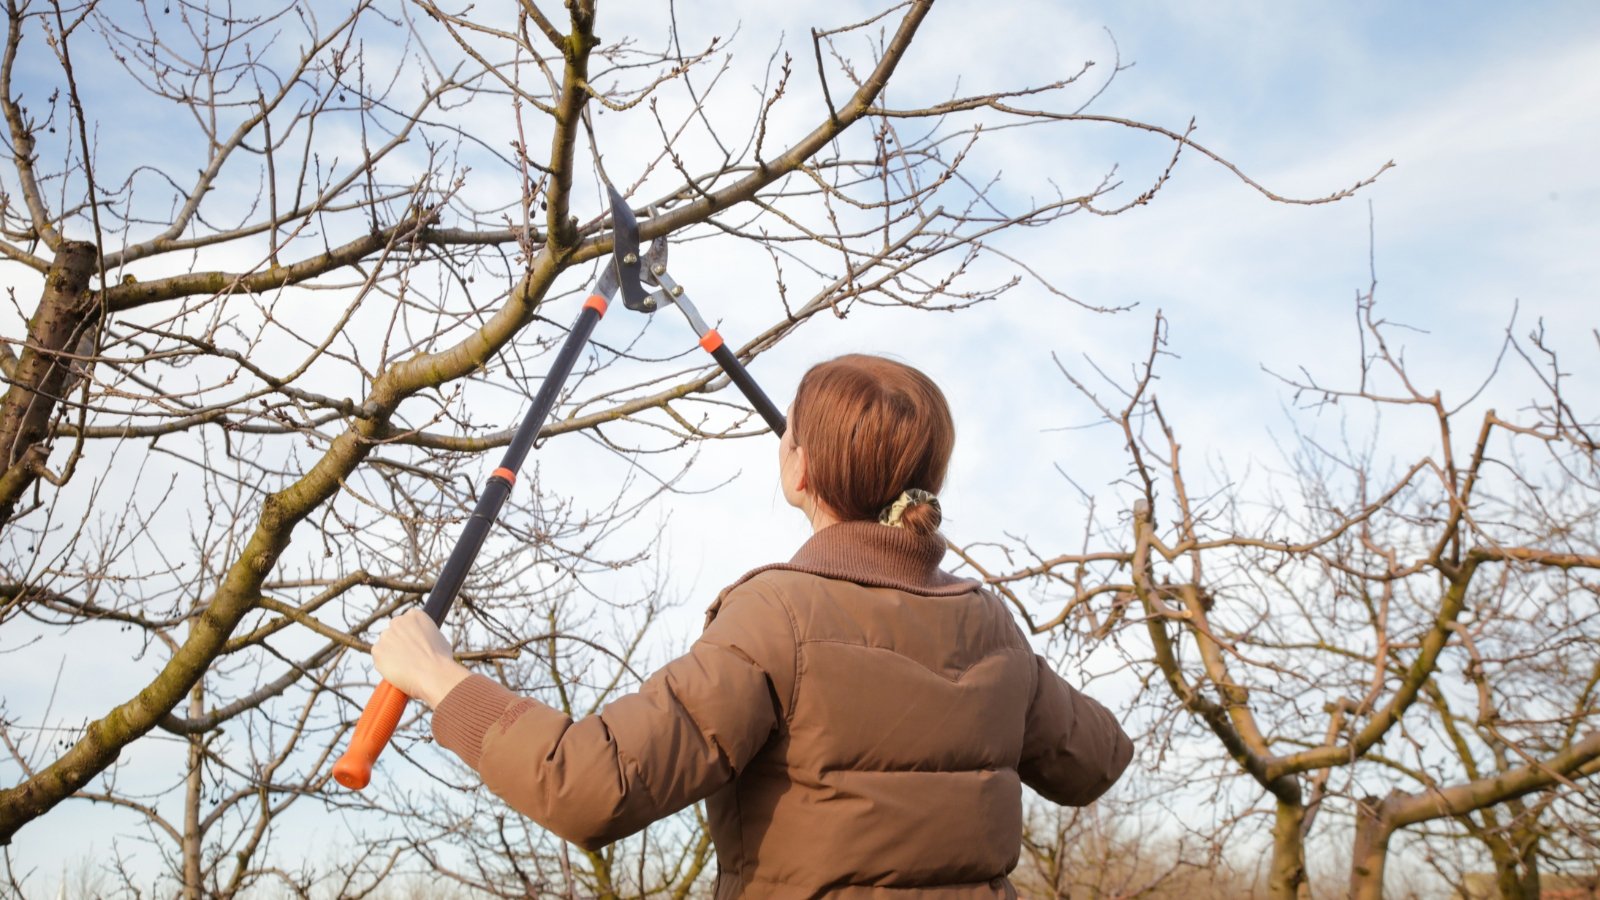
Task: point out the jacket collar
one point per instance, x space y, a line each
874 555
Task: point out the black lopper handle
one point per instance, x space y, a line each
383 711
736 371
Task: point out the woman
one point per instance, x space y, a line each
860 722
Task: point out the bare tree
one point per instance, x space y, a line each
1393 646
1532 679
267 337
1115 849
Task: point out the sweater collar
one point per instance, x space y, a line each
871 555
875 555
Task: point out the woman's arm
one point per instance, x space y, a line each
1073 749
686 732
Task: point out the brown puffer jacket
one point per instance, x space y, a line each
860 723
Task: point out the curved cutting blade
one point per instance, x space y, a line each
625 255
655 258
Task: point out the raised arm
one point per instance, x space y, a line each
688 730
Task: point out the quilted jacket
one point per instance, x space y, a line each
859 722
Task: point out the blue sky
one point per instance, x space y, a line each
1490 112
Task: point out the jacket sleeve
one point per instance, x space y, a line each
1073 749
686 732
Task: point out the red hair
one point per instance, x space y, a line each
872 428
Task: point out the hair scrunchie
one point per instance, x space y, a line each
892 513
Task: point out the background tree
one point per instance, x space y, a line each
1402 636
259 351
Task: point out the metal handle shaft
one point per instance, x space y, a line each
382 713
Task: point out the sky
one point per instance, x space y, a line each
1490 113
1489 116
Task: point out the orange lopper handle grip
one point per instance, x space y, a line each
373 730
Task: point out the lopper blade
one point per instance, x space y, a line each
625 253
655 260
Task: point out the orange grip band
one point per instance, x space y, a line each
711 341
373 731
596 303
507 474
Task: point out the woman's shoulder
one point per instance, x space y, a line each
753 592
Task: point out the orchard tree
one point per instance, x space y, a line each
1394 640
282 276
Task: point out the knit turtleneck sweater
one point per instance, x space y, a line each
875 555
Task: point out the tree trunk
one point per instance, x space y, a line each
1532 889
1516 866
1371 850
1287 880
1508 882
193 889
66 313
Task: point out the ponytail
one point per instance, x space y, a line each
916 511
